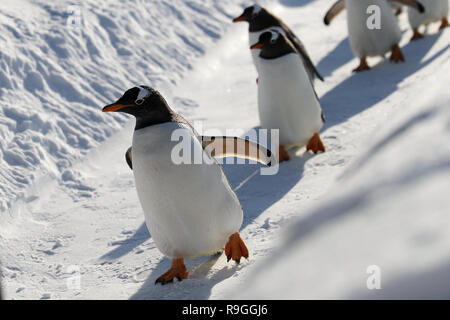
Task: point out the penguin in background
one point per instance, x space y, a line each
190 209
435 10
368 42
260 20
286 97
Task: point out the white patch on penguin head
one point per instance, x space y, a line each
142 95
256 10
274 36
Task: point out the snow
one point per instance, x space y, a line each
55 74
388 208
69 207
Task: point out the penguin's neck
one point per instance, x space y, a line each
143 122
158 113
264 21
278 51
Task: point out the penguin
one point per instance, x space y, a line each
364 41
260 20
190 209
286 97
435 10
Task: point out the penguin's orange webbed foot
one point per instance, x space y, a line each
417 35
315 144
397 54
363 66
444 23
177 270
235 248
282 154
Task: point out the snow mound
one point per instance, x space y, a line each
388 212
60 63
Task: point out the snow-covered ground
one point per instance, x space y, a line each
378 196
60 62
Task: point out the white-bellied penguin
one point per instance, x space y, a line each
260 20
190 209
286 97
435 10
368 41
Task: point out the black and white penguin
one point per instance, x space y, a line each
435 10
286 97
190 209
260 20
367 42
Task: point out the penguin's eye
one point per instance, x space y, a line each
139 101
272 41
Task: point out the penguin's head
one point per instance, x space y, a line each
273 44
249 14
145 103
258 18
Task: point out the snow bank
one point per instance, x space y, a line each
59 64
388 212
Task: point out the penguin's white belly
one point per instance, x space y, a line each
253 38
287 101
435 10
366 41
190 209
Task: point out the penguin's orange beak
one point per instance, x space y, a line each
240 18
257 46
115 107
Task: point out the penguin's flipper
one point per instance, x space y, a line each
309 65
412 3
221 147
129 158
335 9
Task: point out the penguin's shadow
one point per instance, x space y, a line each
363 90
256 193
126 246
198 286
340 55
